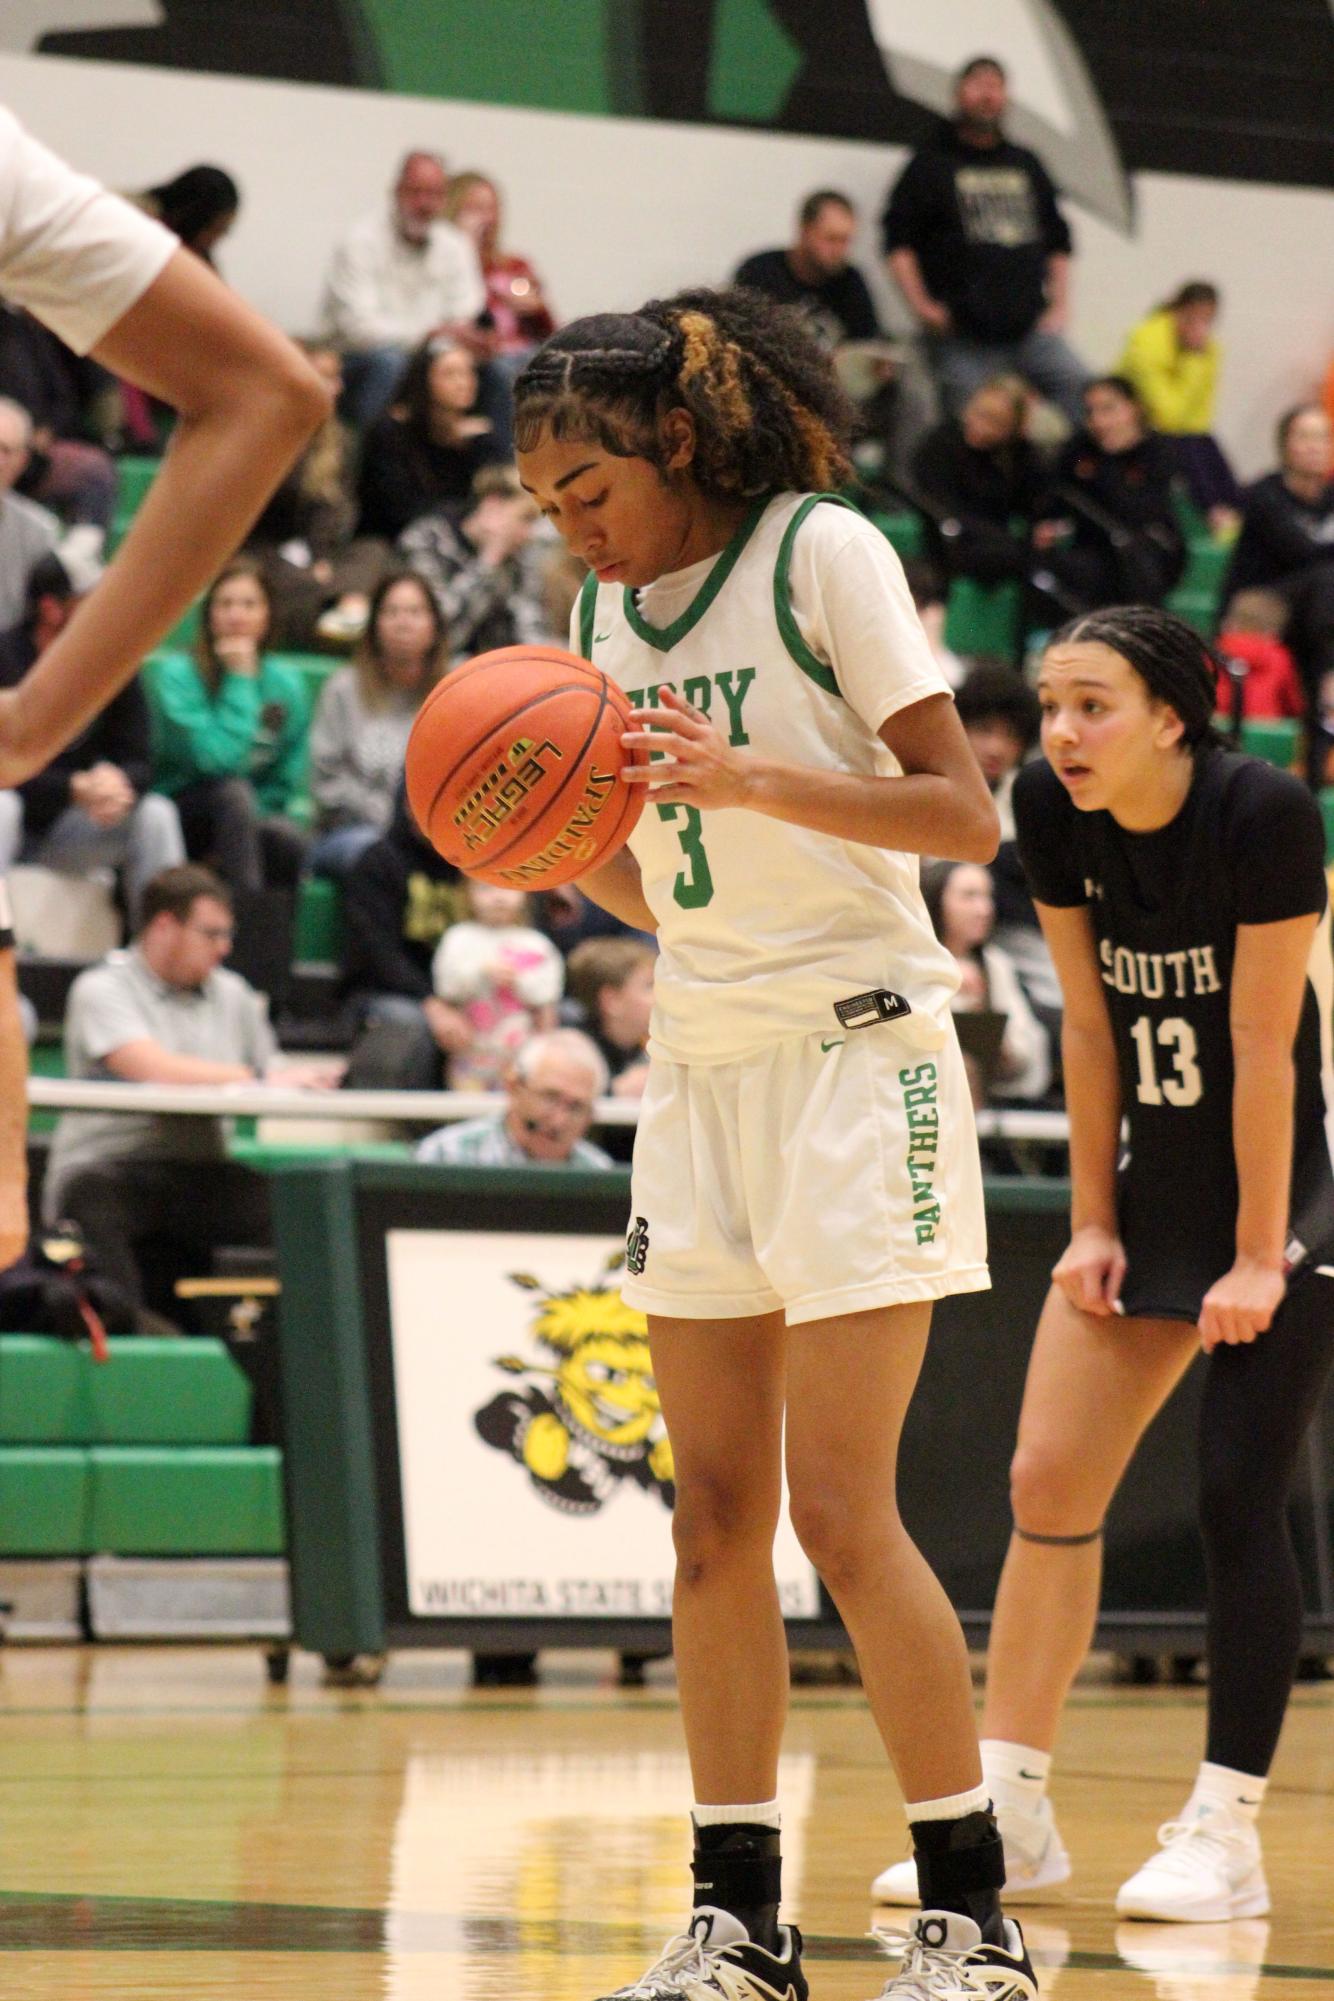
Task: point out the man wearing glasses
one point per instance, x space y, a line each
553 1087
165 1011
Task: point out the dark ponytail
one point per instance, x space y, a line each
1174 663
769 414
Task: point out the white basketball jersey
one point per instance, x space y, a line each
799 641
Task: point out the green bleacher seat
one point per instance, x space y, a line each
134 476
43 1500
903 531
150 1392
219 1501
168 1392
314 669
318 930
984 618
1326 799
44 1396
1277 741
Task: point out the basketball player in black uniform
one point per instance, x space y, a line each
1181 889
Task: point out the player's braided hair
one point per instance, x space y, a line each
769 414
1175 664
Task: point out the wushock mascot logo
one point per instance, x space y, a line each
589 1419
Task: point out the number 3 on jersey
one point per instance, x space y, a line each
1185 1086
693 888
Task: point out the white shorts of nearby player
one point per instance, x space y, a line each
831 1173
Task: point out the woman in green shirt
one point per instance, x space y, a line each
231 738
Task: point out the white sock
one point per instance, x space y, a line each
763 1814
1016 1774
953 1806
1237 1793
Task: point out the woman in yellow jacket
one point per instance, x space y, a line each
1172 358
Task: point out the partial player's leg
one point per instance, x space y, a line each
722 1386
850 1381
1259 1400
1093 1386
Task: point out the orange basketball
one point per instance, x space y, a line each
514 767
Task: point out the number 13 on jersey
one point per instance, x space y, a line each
1185 1085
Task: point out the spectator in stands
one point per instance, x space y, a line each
165 1011
398 277
320 574
958 896
231 738
68 468
980 481
484 570
364 715
27 531
1109 532
1287 540
610 981
515 297
1000 715
425 452
927 588
554 1086
502 976
1259 676
91 807
398 897
981 252
200 206
816 274
1171 359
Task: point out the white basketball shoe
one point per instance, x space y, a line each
1208 1869
1036 1863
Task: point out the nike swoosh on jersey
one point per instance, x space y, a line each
837 1043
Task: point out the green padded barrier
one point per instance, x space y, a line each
1275 741
43 1500
983 618
168 1392
196 1501
903 531
46 1059
318 929
43 1391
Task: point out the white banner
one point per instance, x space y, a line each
537 1473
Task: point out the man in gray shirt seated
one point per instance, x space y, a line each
556 1081
164 1011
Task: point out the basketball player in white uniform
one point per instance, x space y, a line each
806 1179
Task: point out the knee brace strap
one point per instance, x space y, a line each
1059 1541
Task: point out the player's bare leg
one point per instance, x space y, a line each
1094 1385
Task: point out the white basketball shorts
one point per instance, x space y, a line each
829 1174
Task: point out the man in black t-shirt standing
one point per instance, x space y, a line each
981 251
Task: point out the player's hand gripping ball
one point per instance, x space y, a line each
514 768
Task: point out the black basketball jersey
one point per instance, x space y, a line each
1246 848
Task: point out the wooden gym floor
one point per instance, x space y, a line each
171 1826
